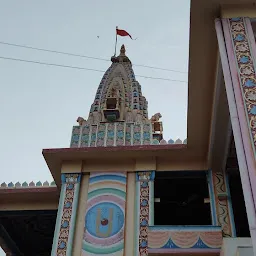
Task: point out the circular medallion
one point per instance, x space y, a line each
104 220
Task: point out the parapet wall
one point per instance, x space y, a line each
116 134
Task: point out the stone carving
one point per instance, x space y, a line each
81 121
90 119
156 117
138 117
129 116
96 117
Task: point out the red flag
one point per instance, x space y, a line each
121 32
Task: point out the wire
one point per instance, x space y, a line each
84 56
82 68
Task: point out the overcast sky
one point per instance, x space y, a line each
40 104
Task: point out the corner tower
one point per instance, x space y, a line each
119 113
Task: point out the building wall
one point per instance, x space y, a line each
231 246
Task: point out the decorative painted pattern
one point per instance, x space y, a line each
120 134
105 215
31 184
63 237
184 239
137 134
116 134
224 211
247 76
146 134
101 135
143 209
128 134
110 136
75 137
85 137
93 135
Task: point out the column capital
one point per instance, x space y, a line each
70 178
145 175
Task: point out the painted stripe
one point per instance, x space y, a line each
181 250
151 203
230 208
104 250
137 218
107 177
185 228
94 174
58 220
102 185
212 198
73 220
107 191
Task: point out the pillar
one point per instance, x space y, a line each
221 205
66 217
240 43
144 210
237 51
105 216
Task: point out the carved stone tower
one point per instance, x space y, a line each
119 113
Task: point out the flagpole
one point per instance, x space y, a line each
116 41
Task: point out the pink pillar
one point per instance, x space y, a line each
238 72
244 84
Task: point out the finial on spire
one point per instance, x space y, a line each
122 50
122 57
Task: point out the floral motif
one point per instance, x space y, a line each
69 181
144 178
128 129
247 70
250 95
224 217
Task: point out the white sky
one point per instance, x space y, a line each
40 104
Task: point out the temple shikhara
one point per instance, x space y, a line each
123 189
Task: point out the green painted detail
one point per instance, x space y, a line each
39 184
102 191
111 118
102 250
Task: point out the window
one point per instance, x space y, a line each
181 198
111 103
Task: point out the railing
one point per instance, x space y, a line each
184 239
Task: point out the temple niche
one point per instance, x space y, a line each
119 113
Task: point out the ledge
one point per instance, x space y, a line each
177 156
184 239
